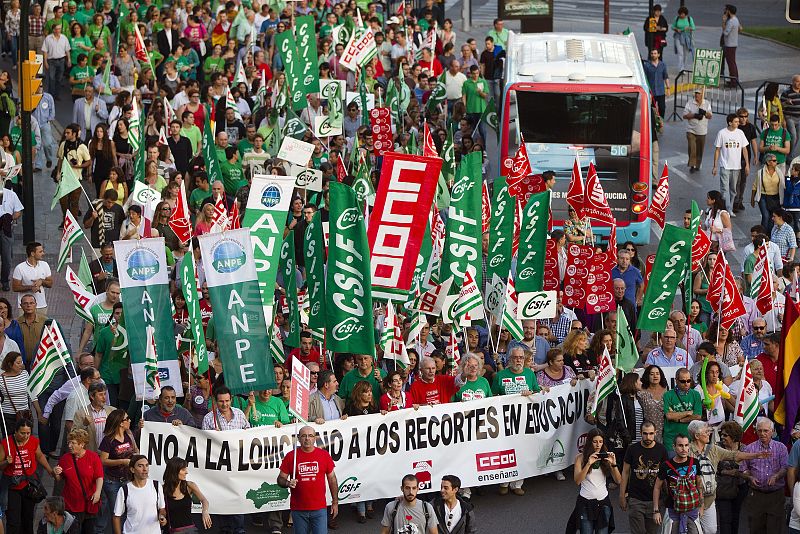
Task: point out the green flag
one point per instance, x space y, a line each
362 185
285 44
627 353
501 231
362 96
671 260
210 154
293 126
463 236
307 53
438 94
448 172
412 148
288 270
687 282
107 79
532 242
489 116
189 289
69 182
314 252
348 302
84 272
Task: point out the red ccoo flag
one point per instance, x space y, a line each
723 293
341 170
766 288
658 206
520 169
179 219
428 146
486 212
595 204
575 194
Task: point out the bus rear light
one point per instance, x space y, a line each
639 187
638 208
639 198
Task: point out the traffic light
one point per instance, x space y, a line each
30 82
793 11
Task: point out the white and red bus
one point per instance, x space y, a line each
584 94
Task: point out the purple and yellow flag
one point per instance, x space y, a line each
787 392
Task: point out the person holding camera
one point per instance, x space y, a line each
697 113
593 510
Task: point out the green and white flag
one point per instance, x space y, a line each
532 242
501 231
146 301
469 305
747 402
210 154
51 356
81 296
276 345
265 216
288 269
510 321
69 182
239 320
438 94
490 117
362 185
293 126
463 236
348 283
134 139
392 340
230 103
314 252
292 64
190 294
627 353
606 381
151 376
72 233
306 41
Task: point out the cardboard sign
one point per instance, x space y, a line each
295 151
537 305
299 394
307 178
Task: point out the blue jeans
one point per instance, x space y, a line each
110 489
310 521
55 75
587 525
233 524
766 214
727 185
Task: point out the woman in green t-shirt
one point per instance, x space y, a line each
78 42
98 30
80 74
213 63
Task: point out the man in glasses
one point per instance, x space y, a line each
668 354
454 514
682 405
753 344
751 134
642 459
769 358
697 113
766 476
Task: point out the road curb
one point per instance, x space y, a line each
771 40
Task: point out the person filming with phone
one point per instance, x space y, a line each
593 510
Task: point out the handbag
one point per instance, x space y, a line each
21 415
726 241
91 508
34 490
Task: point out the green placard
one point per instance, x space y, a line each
707 66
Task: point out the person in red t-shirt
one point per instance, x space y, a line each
306 352
432 389
772 347
82 472
307 482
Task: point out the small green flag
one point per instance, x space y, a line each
69 182
84 272
627 353
412 148
489 116
210 154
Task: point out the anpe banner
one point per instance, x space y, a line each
348 281
532 239
501 230
314 252
146 301
239 321
672 257
463 228
484 442
265 216
397 224
305 38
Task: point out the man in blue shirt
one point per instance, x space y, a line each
753 344
668 355
634 283
656 72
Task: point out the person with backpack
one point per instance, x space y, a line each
141 501
407 514
684 501
767 478
775 141
454 514
708 456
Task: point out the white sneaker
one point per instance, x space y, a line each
560 476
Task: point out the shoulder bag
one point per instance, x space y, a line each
21 415
91 508
34 490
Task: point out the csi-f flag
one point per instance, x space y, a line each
348 283
606 380
72 233
146 302
532 240
288 269
239 320
189 287
314 253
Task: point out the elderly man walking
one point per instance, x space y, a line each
766 476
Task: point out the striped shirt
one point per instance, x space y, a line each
15 392
215 421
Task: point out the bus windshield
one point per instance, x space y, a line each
578 119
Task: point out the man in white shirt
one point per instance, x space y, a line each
141 501
697 113
10 210
32 276
453 81
730 150
55 51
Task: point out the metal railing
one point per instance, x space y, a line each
724 99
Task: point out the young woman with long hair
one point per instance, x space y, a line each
593 466
104 155
178 493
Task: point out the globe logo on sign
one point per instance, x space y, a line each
142 265
271 196
228 257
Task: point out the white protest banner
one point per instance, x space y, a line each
307 178
483 442
323 127
355 96
300 390
537 305
295 151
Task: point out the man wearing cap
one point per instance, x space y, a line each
697 113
